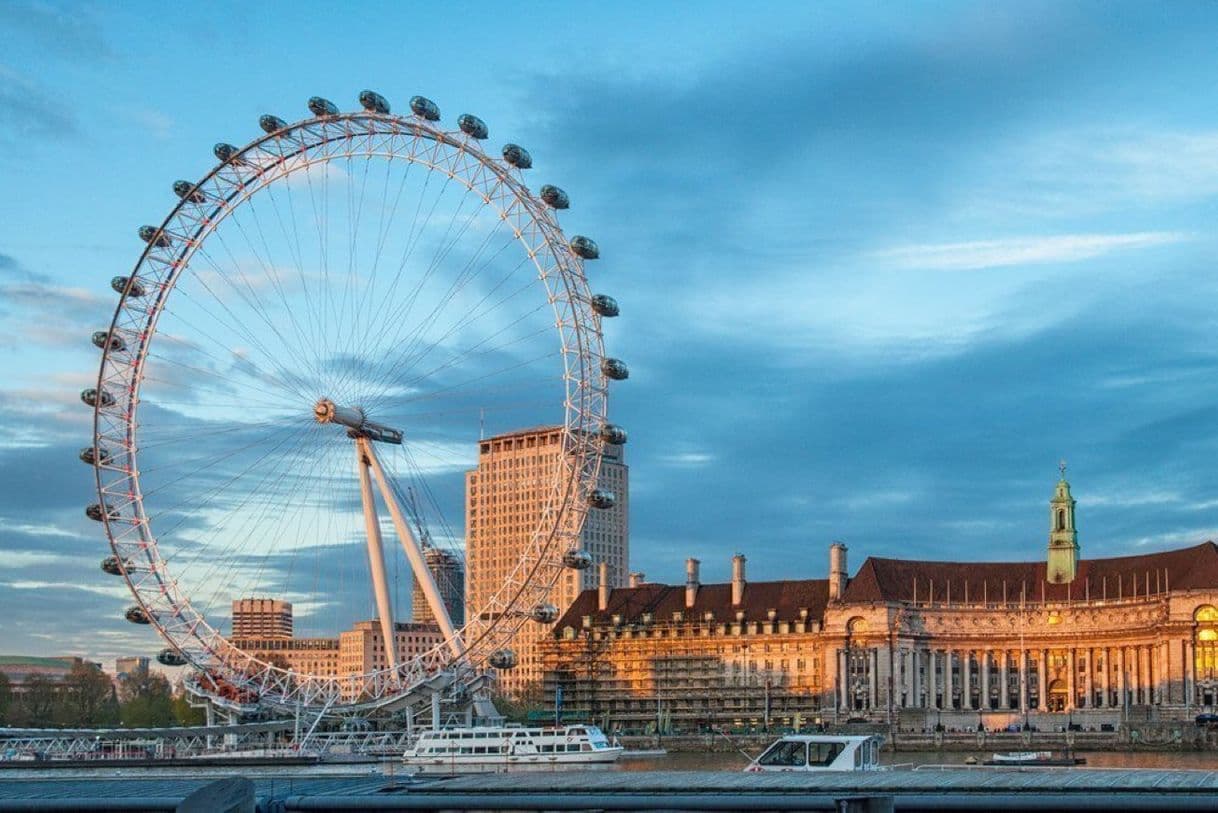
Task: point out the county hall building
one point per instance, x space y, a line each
1058 641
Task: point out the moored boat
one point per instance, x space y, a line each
1040 759
510 748
820 752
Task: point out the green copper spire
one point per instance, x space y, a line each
1063 536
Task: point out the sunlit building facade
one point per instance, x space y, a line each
914 643
505 498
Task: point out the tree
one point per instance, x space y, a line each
183 712
6 699
145 700
87 698
38 700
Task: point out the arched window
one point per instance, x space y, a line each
1061 519
1206 613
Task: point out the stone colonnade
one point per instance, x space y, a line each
1034 678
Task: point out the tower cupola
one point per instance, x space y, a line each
1063 536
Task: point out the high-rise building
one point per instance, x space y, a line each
448 571
504 501
262 618
130 665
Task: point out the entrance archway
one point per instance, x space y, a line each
1058 695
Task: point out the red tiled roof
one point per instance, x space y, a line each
895 579
786 598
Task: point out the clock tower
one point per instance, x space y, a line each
1063 537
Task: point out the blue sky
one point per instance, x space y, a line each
880 267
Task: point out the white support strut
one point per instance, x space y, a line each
376 554
418 565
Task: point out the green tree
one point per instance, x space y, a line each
145 700
183 712
6 699
38 701
87 697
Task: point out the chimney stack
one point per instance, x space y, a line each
691 582
737 579
637 578
602 590
837 571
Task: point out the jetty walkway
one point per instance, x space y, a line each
896 790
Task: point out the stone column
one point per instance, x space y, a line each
1023 681
1071 678
1004 674
1121 676
1162 681
1148 677
1105 683
873 699
1190 668
985 679
1089 680
948 680
966 679
843 679
915 680
932 680
1042 681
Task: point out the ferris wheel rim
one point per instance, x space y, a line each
582 411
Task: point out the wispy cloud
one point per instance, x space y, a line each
980 254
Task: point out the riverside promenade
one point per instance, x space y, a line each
896 790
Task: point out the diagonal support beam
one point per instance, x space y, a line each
376 554
418 564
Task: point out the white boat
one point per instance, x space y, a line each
820 752
510 748
1042 759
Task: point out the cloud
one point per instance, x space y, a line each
32 111
980 254
70 33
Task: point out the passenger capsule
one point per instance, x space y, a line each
555 197
576 560
615 369
584 247
188 191
517 156
94 512
424 108
614 434
271 124
503 659
322 107
94 457
225 152
154 236
373 102
602 498
472 126
544 613
137 615
111 565
136 289
170 657
106 341
604 305
92 398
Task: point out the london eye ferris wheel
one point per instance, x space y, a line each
319 329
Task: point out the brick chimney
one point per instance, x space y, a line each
691 582
737 579
637 578
602 590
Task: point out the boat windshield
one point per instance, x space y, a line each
823 753
785 753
